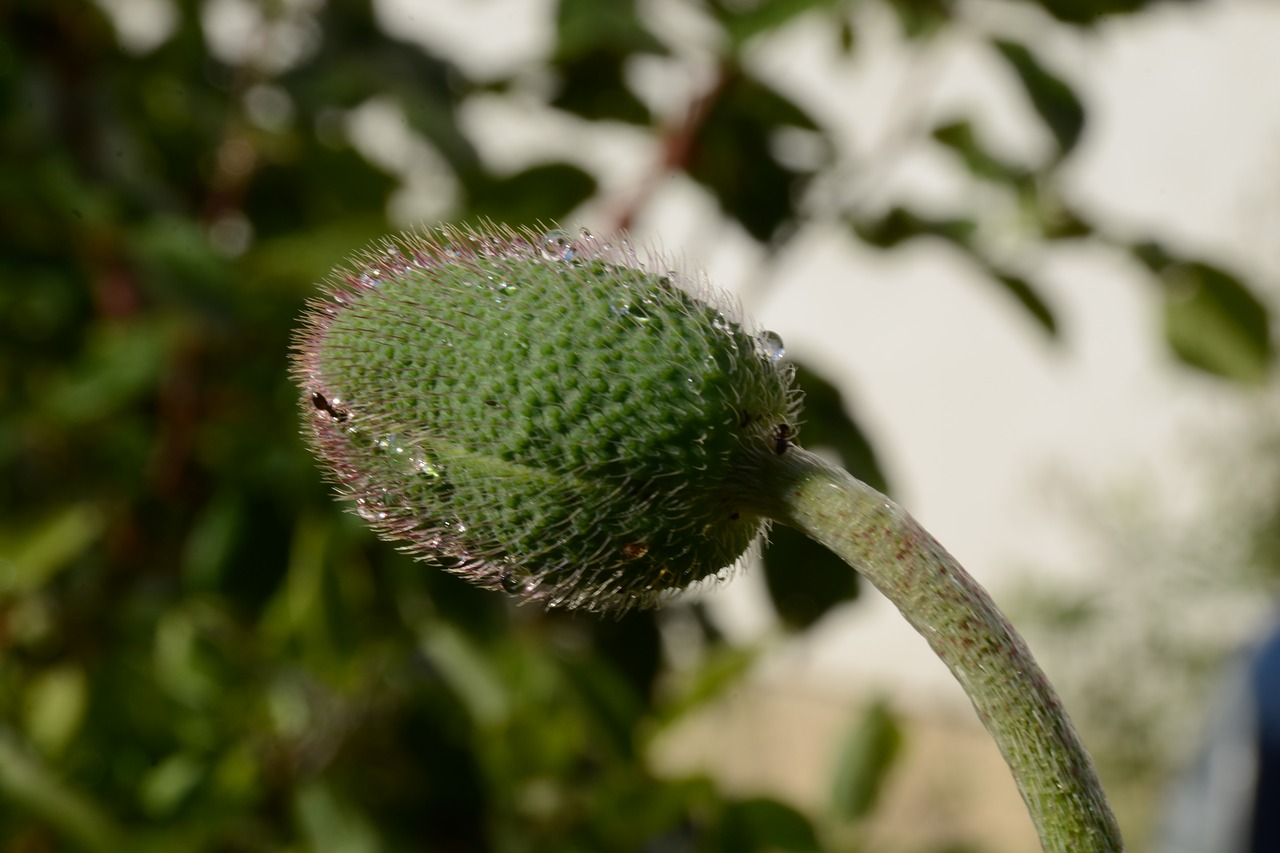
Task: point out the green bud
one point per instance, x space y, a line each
554 416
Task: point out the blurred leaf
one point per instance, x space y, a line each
361 61
848 36
1060 222
29 784
584 27
1095 12
306 257
804 579
723 668
463 667
535 195
594 42
1023 291
55 705
121 363
732 155
632 644
181 665
211 542
1052 216
865 759
333 825
593 86
164 788
178 263
609 699
1037 197
766 824
1053 100
962 140
744 21
900 225
1212 320
235 778
30 558
921 18
309 607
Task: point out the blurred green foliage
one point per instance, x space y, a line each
198 650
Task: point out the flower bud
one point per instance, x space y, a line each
554 416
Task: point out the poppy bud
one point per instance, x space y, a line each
558 417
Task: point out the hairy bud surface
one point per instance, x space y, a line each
558 417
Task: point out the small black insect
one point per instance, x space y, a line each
782 439
318 400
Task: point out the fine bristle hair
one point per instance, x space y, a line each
565 417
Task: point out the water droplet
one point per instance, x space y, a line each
370 277
518 582
389 444
393 258
557 246
630 310
770 346
487 247
423 465
369 511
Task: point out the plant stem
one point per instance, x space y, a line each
964 627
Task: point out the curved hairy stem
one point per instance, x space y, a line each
965 628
